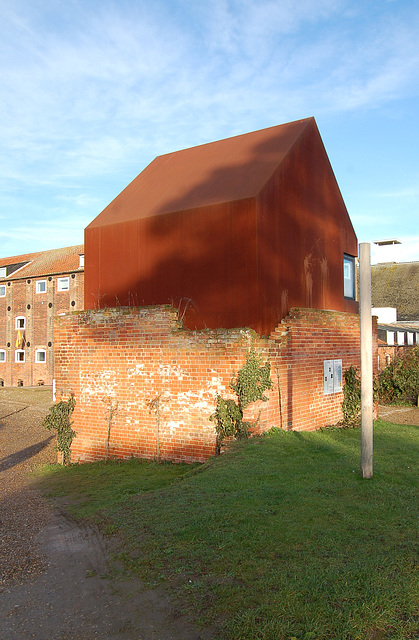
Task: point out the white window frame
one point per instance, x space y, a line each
2 290
2 355
20 322
61 282
3 272
20 352
38 286
37 353
81 260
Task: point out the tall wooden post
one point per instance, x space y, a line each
366 360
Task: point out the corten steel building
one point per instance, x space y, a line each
233 233
34 288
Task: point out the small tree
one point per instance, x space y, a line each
252 380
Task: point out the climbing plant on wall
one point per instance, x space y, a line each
249 385
58 419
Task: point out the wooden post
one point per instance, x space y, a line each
366 360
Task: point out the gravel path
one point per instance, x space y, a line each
23 512
52 570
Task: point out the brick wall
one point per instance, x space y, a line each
302 342
145 386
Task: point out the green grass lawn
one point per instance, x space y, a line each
279 538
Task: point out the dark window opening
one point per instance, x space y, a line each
349 277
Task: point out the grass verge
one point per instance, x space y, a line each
279 538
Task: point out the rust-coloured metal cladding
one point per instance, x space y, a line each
234 233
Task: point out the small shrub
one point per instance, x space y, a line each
351 405
399 381
252 380
58 418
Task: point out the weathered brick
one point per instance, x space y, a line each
159 377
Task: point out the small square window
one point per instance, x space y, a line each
2 290
2 355
349 277
40 355
41 286
20 322
63 284
19 355
3 272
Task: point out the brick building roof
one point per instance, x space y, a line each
33 265
396 284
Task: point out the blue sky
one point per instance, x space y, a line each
93 90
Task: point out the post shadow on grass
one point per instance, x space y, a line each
24 454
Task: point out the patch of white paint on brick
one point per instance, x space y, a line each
170 371
137 370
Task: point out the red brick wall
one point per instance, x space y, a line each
303 341
122 363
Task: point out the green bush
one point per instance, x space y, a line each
58 419
351 405
399 381
252 380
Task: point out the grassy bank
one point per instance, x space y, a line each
279 538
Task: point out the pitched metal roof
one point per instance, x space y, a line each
54 261
223 171
396 284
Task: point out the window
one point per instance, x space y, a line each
40 355
41 286
19 355
2 290
3 272
81 260
63 284
349 277
20 322
2 355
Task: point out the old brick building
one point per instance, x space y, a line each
34 289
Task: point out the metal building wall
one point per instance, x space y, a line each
239 263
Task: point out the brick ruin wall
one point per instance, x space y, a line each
146 387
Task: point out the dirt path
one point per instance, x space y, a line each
52 570
399 415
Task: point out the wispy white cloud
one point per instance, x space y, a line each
99 88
